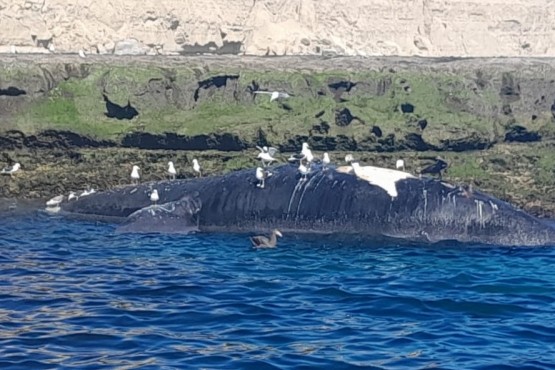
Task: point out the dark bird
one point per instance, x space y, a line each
436 168
114 110
265 242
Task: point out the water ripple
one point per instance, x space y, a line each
77 295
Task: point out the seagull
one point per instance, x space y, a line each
305 154
261 176
400 164
326 160
303 171
72 195
10 170
196 167
135 175
266 155
82 53
54 202
436 168
274 95
265 242
154 196
88 191
171 170
349 158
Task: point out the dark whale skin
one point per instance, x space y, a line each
329 201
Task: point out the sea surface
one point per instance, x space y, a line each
75 295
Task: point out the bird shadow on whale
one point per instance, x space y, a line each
178 217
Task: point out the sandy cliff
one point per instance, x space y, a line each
278 27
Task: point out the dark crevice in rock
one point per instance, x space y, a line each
50 139
520 134
510 91
472 142
114 110
422 123
12 91
319 114
377 131
323 128
344 117
171 141
407 108
339 87
414 141
214 82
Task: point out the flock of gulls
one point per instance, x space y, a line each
267 155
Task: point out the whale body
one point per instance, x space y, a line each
332 200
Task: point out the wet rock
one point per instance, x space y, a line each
414 141
520 134
50 139
171 141
471 142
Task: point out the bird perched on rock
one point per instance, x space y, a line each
171 171
10 170
72 195
265 242
196 167
266 155
135 176
154 198
274 95
436 168
400 164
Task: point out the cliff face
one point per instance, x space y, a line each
278 27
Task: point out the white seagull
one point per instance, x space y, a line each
400 164
55 202
87 191
274 95
307 154
154 198
326 160
135 175
72 195
10 170
171 170
196 167
261 176
266 155
82 53
303 170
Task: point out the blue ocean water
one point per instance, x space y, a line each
76 295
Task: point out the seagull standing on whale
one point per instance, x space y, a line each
154 198
266 155
261 176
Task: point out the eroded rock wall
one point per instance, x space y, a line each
280 27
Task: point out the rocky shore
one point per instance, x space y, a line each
74 123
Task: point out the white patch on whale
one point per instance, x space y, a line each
385 178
